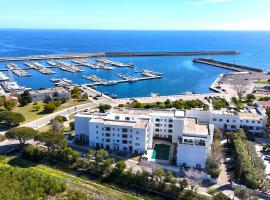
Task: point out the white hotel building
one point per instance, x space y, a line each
188 132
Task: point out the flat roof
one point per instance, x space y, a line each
48 90
193 128
250 116
140 123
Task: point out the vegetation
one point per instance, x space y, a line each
75 93
242 194
52 106
9 105
250 98
2 138
179 104
264 98
17 184
72 126
104 107
23 134
24 98
213 160
249 168
11 118
238 103
219 103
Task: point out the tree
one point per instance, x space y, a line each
159 173
84 97
11 118
119 168
72 126
250 97
75 93
104 107
52 140
24 98
57 127
22 134
217 135
242 194
169 177
9 105
36 107
50 107
68 155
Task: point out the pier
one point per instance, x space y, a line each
17 70
149 73
67 67
225 65
114 63
92 65
39 67
115 54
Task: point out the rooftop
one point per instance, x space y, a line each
49 90
193 128
141 123
250 116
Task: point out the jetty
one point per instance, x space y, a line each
39 67
114 54
149 73
114 63
17 70
92 65
68 67
124 77
62 82
225 65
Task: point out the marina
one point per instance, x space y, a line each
39 67
3 77
128 78
149 73
17 70
63 82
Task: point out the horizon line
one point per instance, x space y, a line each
90 29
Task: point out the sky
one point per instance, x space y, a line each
136 14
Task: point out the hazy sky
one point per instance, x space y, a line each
136 14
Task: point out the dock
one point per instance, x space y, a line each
39 67
17 70
114 54
149 73
128 78
92 65
62 82
114 63
68 67
225 65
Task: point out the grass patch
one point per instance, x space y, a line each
31 115
95 189
264 82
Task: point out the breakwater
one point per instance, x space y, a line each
225 65
114 54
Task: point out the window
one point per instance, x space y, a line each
228 120
117 117
214 119
234 120
220 120
170 120
107 135
247 121
253 122
107 128
170 125
107 140
170 131
157 125
124 141
137 138
259 122
157 120
137 132
127 118
233 126
96 126
124 130
124 136
157 130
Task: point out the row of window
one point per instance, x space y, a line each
160 130
124 130
160 120
107 140
242 121
159 125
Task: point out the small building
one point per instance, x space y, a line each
49 94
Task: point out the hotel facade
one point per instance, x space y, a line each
189 133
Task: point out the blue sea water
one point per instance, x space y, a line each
179 73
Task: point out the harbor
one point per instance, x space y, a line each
68 67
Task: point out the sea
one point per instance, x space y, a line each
179 73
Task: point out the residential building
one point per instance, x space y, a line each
49 94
